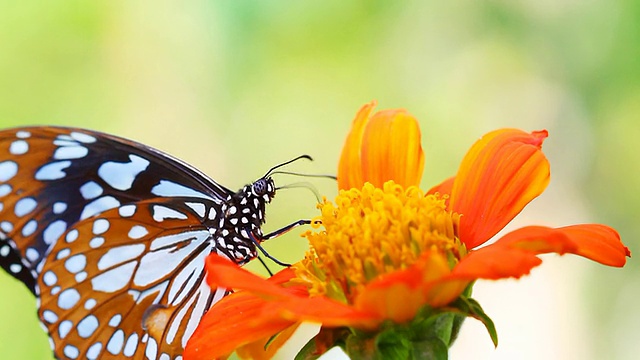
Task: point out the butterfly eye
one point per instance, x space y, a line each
260 187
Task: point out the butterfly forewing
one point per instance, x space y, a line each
52 177
111 236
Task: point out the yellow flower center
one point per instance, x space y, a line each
371 232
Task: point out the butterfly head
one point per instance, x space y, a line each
264 188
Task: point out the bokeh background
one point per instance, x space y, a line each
235 87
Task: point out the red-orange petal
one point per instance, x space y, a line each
291 302
234 321
499 176
392 150
596 242
399 295
350 168
514 255
221 272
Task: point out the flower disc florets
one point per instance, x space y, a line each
370 232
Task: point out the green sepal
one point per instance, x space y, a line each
470 307
308 351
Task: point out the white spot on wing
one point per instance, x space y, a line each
197 207
71 352
169 189
8 169
59 207
119 255
63 253
71 236
25 206
64 328
19 147
115 279
49 278
162 212
137 231
94 351
68 298
5 188
87 326
31 253
28 229
121 176
152 349
76 263
82 137
15 268
23 134
131 345
127 210
52 171
70 152
90 303
99 205
100 226
90 190
114 346
96 242
170 252
49 316
54 231
115 320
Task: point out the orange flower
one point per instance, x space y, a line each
388 251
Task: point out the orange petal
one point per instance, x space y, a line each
594 241
350 168
234 321
392 150
514 254
499 176
494 263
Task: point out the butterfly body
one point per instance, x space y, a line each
111 236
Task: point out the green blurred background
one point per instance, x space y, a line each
234 87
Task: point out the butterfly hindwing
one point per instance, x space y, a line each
102 299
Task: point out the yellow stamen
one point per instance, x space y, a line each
372 231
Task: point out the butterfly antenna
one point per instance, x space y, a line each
307 157
305 185
325 176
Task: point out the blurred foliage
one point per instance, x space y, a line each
235 87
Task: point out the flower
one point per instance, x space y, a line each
395 265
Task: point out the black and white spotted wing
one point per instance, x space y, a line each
111 236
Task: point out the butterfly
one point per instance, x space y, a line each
111 235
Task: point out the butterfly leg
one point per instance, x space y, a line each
285 229
274 234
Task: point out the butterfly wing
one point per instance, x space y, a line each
139 294
51 177
59 184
